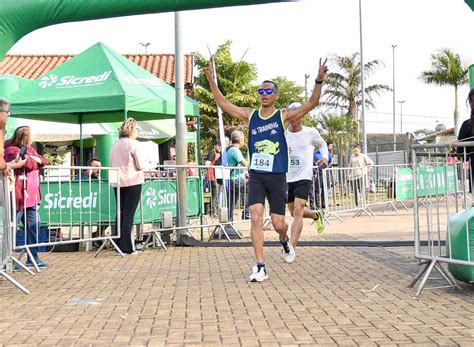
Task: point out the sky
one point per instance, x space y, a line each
287 39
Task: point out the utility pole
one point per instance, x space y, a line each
145 44
393 94
181 129
401 102
362 110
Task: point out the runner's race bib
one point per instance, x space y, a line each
262 162
295 162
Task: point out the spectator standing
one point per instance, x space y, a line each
237 176
360 164
26 163
318 197
4 114
125 156
466 133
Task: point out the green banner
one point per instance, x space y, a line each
66 203
431 181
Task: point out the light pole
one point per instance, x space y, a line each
393 94
401 102
145 44
362 110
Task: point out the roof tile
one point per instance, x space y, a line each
34 66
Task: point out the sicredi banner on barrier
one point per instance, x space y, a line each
74 203
431 181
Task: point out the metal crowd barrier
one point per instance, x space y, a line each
78 206
8 261
218 206
443 219
343 190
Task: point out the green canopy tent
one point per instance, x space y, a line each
44 131
9 84
470 3
98 85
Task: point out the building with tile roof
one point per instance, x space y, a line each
160 65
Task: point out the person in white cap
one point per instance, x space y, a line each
301 141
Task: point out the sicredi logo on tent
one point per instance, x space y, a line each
145 82
73 81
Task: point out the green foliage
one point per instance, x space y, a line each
289 92
343 88
55 159
341 130
447 69
235 82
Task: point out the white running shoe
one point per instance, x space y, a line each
258 276
290 256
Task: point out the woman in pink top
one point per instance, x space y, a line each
126 157
26 163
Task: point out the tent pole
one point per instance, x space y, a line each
181 150
81 142
199 162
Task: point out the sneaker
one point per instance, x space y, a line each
258 276
41 264
290 255
319 221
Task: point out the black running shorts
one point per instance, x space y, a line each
299 189
271 186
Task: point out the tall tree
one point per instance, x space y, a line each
342 89
235 81
447 69
289 92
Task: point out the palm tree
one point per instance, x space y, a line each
343 88
447 69
340 130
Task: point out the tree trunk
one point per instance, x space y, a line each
456 111
354 115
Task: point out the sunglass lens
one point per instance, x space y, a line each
261 91
269 91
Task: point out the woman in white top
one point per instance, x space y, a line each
361 164
126 157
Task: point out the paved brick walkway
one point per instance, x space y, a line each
200 296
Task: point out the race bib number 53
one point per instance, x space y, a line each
295 161
262 162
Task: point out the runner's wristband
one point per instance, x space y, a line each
319 81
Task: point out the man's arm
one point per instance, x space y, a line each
241 113
313 101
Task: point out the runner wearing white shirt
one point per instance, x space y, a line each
301 140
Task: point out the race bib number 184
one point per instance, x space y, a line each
262 162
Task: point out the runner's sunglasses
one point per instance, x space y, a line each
268 91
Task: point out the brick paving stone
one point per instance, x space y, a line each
178 298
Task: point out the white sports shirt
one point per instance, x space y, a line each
301 146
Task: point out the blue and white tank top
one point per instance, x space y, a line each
267 143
